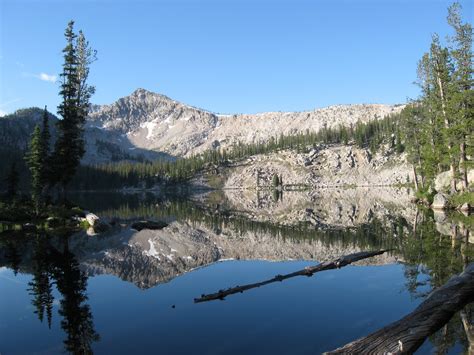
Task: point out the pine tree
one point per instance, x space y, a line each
463 97
45 149
75 93
442 69
35 161
85 57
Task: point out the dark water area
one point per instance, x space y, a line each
125 291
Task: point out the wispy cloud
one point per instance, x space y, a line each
47 77
2 113
42 76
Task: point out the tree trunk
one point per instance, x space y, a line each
415 223
415 178
452 167
406 335
462 163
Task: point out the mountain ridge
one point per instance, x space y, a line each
156 122
147 126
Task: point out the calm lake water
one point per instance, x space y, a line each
133 292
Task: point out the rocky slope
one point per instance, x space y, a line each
325 166
151 121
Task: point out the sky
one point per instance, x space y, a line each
227 56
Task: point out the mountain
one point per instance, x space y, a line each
150 126
150 121
101 145
16 128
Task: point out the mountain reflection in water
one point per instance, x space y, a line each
430 249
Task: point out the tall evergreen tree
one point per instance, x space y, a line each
45 149
35 161
75 92
85 57
463 97
442 69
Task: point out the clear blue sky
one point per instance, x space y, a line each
226 56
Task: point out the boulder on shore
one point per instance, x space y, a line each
92 219
440 202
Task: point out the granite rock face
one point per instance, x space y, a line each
149 121
330 166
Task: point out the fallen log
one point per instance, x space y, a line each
407 334
307 271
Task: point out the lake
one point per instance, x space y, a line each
127 291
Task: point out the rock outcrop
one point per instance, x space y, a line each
443 180
330 166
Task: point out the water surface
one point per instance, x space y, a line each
133 292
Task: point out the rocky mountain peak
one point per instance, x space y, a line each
156 122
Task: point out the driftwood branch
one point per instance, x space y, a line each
408 334
308 271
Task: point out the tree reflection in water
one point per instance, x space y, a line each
52 266
41 286
431 259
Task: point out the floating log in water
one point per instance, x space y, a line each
308 271
407 334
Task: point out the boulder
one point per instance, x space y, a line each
91 232
465 207
439 216
444 228
443 180
440 202
92 219
139 225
